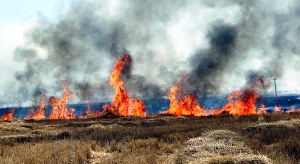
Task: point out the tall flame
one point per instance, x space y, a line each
40 113
8 116
184 104
59 106
122 104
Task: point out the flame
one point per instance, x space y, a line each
59 106
8 116
70 114
184 105
138 108
262 109
239 103
245 105
88 112
278 109
242 103
293 109
122 104
40 113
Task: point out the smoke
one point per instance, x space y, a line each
210 63
233 45
212 45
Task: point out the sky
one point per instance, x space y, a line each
214 47
14 11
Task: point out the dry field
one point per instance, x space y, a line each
223 139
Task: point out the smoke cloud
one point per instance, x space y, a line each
212 45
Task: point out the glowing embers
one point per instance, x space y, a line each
122 104
181 104
59 106
40 112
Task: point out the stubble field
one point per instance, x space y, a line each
270 138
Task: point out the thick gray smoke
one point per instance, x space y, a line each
212 45
209 64
231 45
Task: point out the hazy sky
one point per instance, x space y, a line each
216 46
15 11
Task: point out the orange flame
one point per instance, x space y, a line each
122 104
40 113
293 110
184 105
278 109
239 103
59 106
70 114
242 103
88 112
8 116
138 108
262 109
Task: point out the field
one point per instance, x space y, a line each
270 138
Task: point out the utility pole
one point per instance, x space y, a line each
275 87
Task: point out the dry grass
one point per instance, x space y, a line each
218 146
55 152
272 138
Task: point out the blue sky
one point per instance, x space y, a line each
16 11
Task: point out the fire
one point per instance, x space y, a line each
184 104
59 106
138 108
122 104
239 103
88 112
70 114
293 110
40 113
8 116
278 109
242 103
262 109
